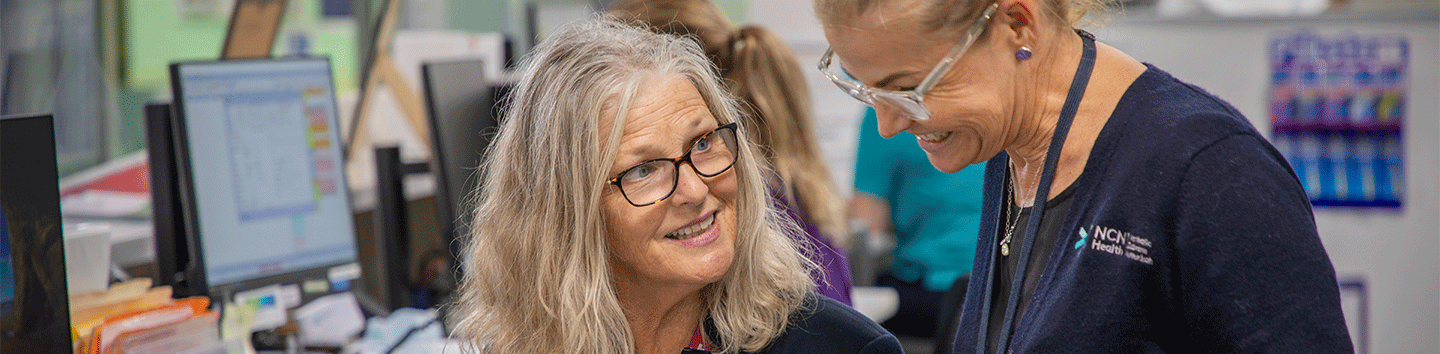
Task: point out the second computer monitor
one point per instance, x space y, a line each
262 177
465 108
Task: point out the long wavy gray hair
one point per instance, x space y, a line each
537 279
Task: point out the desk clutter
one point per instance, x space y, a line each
132 317
234 231
135 318
256 247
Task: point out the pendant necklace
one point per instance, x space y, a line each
1042 190
1014 219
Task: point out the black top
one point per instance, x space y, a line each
1055 211
824 326
1187 232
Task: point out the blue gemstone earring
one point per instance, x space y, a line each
1023 54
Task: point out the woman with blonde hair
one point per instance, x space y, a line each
760 70
623 210
1125 211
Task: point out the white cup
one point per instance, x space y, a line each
87 258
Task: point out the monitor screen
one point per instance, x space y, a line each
262 171
34 308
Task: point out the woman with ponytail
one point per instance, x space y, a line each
762 71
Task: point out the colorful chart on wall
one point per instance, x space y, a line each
1337 105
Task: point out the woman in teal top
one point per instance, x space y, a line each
934 216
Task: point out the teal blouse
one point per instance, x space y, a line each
935 215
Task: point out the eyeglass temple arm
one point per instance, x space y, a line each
970 36
824 64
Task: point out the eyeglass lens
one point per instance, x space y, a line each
910 108
845 82
655 180
906 105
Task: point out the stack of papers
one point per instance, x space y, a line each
131 318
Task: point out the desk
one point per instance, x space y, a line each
132 241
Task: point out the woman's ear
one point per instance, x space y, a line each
1021 17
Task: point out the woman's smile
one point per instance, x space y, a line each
698 233
936 137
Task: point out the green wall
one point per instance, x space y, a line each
156 34
478 15
507 15
737 10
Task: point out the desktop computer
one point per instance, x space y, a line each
34 307
262 188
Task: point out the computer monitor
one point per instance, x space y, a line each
172 252
464 107
34 303
263 189
458 102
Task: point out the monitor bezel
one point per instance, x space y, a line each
449 213
199 278
54 286
172 254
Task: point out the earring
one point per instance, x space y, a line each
1023 54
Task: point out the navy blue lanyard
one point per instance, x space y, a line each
1037 210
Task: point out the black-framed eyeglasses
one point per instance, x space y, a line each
654 180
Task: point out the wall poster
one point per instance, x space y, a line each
1337 105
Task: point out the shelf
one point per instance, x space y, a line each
1418 13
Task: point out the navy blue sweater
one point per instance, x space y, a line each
825 326
1187 232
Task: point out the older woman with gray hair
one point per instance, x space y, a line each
1125 211
623 210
